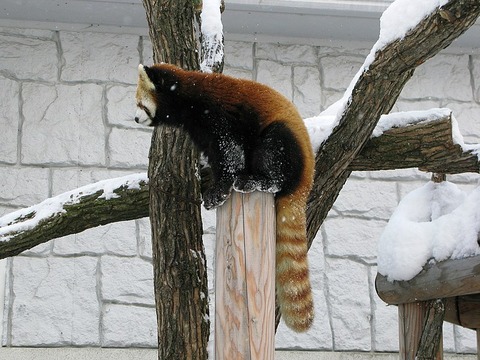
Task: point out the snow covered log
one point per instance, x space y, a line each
104 202
373 92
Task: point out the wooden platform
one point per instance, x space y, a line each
450 289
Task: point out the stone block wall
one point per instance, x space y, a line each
66 106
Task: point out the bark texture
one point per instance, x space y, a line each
428 146
180 274
431 339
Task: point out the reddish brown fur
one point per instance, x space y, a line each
292 279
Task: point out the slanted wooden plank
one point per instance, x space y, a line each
448 278
245 278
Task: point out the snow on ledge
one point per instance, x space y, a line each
55 205
433 223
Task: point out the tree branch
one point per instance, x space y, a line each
374 94
119 199
428 145
431 338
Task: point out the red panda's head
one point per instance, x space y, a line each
157 84
145 96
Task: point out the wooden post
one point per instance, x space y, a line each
245 278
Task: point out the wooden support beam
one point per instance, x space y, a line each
446 279
410 321
464 311
245 278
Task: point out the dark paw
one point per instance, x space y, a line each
213 198
250 184
246 184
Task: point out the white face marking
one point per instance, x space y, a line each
145 112
141 117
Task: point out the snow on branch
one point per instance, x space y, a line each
74 211
211 37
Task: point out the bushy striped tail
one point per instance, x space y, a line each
293 288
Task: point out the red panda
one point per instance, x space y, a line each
254 139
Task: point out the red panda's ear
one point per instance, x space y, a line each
145 76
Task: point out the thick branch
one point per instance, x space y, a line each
180 278
76 212
374 94
427 145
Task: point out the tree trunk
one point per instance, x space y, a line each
181 291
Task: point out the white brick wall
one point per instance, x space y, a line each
66 105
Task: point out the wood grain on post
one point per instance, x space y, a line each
245 278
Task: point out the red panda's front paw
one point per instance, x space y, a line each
245 184
248 184
213 198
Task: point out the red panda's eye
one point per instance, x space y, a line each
144 108
147 111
